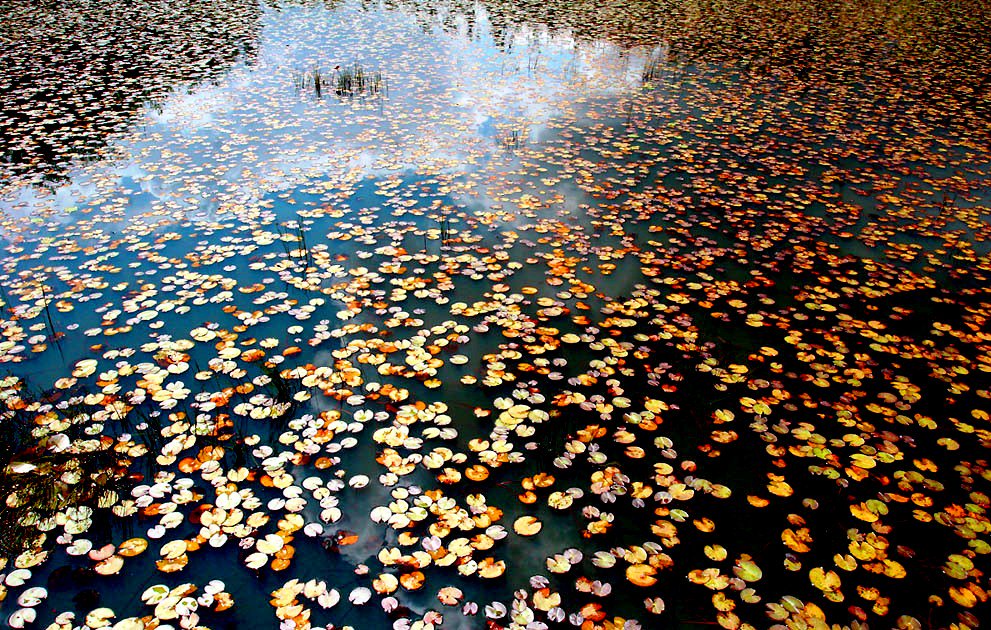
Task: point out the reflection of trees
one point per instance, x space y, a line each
936 51
73 71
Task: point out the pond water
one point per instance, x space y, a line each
486 314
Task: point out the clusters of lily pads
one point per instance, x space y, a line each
711 348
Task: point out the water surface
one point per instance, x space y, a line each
700 286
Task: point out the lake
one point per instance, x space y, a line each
449 314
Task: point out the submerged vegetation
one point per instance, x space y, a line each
633 315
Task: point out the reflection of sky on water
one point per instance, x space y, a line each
453 98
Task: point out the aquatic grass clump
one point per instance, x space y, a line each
309 81
283 390
347 82
514 140
300 80
352 81
295 232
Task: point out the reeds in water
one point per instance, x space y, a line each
346 82
352 81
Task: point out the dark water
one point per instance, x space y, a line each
720 268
